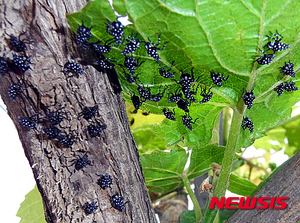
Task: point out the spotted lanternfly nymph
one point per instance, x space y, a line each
279 89
132 44
90 208
183 104
188 93
130 63
169 114
116 30
131 78
152 48
275 44
117 202
188 120
157 97
73 68
247 123
165 73
218 78
265 59
106 48
174 97
55 117
206 95
186 80
17 44
3 66
136 101
145 92
81 162
66 139
83 36
29 122
288 69
105 62
22 62
88 112
290 86
52 132
248 98
105 181
14 91
95 130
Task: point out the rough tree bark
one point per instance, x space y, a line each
285 183
65 190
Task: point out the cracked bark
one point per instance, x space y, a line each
64 190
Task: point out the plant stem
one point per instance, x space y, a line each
220 189
197 208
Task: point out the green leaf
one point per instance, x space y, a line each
162 170
202 158
240 186
199 37
187 217
31 209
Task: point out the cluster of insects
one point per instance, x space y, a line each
188 85
274 44
50 124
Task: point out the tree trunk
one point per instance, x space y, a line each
64 189
284 183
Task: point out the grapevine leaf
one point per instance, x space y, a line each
162 170
240 186
220 36
31 209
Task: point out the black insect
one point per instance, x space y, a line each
188 120
265 59
15 90
3 66
132 44
157 97
66 139
105 62
90 208
136 101
115 29
17 44
105 181
23 62
206 95
288 69
131 78
169 114
95 130
189 94
174 97
186 80
290 86
275 43
145 92
73 68
279 89
83 36
29 122
88 112
130 63
247 123
81 162
152 48
117 202
52 132
183 104
56 117
218 78
106 48
248 98
166 73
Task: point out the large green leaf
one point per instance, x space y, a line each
163 170
219 36
31 209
